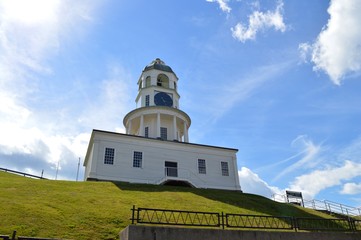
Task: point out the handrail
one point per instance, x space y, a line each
21 173
325 205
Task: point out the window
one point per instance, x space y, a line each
147 82
137 159
163 80
109 156
201 166
163 133
224 167
171 169
175 86
146 132
147 100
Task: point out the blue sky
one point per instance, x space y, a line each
278 80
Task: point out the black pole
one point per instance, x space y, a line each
222 220
133 209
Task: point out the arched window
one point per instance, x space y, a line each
163 80
147 82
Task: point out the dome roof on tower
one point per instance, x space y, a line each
159 65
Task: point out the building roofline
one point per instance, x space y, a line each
157 108
160 140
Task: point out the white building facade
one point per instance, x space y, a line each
156 148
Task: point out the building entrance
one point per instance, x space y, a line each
171 169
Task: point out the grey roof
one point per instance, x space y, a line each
159 65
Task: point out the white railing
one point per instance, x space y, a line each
324 205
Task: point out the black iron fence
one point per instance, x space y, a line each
315 224
14 237
240 221
257 221
176 217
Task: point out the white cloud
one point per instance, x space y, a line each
115 100
352 151
260 21
223 5
29 12
30 33
337 50
243 88
351 188
252 183
308 153
312 183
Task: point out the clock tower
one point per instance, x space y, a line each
157 113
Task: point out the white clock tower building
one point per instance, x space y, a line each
157 114
156 147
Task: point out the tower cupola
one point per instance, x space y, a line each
157 113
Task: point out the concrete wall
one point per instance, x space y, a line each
137 232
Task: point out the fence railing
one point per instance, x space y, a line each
257 221
324 205
14 237
314 224
175 217
21 173
241 221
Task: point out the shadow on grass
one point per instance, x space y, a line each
251 202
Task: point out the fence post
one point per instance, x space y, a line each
13 236
294 223
222 220
352 224
133 209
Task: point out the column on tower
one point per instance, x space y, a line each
141 128
185 129
175 128
129 127
158 125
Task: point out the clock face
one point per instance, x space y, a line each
163 99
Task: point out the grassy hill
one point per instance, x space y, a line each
100 210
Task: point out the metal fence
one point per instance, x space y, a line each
22 174
175 217
315 224
324 205
240 221
257 221
14 237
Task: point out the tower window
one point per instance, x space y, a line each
175 86
146 132
147 100
224 167
137 159
163 80
109 156
147 82
201 166
163 133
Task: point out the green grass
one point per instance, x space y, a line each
100 210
